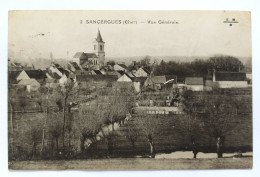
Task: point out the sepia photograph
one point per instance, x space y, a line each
129 90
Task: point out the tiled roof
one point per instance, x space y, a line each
61 69
130 74
194 80
97 72
36 74
123 66
158 79
75 65
12 75
84 56
54 75
91 55
147 70
139 79
83 62
230 76
121 72
89 78
57 65
78 54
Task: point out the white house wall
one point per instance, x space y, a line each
230 84
137 86
63 79
195 87
249 76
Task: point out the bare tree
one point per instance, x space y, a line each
69 126
112 108
44 91
55 127
35 138
221 118
65 92
90 119
149 126
132 135
11 101
191 106
23 102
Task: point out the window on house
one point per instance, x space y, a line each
95 47
101 47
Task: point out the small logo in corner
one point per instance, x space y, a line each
230 22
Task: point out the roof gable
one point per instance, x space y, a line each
194 80
125 78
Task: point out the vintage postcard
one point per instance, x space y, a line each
129 90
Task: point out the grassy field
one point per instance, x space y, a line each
135 164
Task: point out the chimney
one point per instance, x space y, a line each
214 77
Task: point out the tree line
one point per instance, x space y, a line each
199 67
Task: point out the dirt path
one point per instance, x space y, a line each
135 164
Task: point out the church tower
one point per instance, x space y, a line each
99 49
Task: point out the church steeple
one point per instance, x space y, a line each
99 48
99 38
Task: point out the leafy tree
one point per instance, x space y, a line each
225 63
111 62
146 61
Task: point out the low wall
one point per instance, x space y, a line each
230 84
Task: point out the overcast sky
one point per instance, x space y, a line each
34 34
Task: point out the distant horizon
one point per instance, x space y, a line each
41 65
